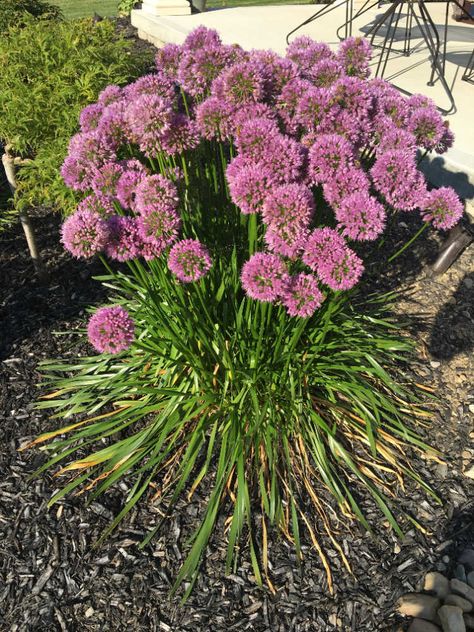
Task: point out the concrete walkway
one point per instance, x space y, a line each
267 27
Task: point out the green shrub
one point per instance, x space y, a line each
50 71
125 6
13 12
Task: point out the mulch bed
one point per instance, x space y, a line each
51 577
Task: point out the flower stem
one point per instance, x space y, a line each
408 243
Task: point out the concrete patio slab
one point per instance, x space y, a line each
266 27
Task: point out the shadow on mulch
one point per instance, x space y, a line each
26 304
453 331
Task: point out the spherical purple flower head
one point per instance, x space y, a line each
112 126
249 184
286 160
427 126
198 68
254 137
287 211
84 233
276 71
128 182
106 179
167 60
264 277
110 94
329 153
341 270
325 72
288 240
362 217
90 116
214 118
353 109
181 135
354 54
101 204
396 177
442 208
111 330
302 296
158 84
242 83
419 101
157 193
288 203
305 53
124 239
250 112
320 244
148 117
353 94
314 109
159 228
387 136
201 37
395 106
87 152
345 182
446 141
288 100
189 260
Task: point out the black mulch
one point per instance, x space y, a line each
51 577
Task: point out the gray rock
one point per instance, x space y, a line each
467 558
460 588
460 602
437 584
460 573
451 619
470 579
420 625
418 605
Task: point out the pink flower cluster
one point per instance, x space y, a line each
111 330
323 153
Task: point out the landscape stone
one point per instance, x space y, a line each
460 602
470 579
460 588
467 557
420 625
418 605
460 573
437 584
451 619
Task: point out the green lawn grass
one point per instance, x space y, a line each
83 8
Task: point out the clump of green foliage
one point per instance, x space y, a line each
125 6
14 12
50 71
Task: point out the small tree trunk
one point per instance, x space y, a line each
9 166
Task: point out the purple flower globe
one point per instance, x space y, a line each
85 233
111 330
189 260
303 296
264 277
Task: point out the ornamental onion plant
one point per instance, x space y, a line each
229 195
